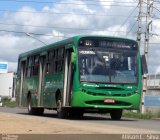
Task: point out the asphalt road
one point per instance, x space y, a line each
153 125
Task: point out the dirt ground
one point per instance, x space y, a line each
25 124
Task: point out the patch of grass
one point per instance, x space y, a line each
147 115
157 114
7 102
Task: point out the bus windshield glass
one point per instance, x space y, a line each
103 65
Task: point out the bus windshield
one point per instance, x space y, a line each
108 65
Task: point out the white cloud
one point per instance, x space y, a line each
86 17
12 66
14 45
112 31
106 4
158 69
156 23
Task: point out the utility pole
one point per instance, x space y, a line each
149 7
139 36
139 32
146 47
148 24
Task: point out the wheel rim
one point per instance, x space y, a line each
29 107
59 106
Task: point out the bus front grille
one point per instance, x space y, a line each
107 94
101 102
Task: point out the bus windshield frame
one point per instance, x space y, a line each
108 64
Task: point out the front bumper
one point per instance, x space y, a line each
84 100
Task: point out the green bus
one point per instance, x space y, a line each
96 74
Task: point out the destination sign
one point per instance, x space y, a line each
108 43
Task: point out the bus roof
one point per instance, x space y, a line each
64 42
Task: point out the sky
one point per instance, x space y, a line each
54 20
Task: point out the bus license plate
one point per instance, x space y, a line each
109 100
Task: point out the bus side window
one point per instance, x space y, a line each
55 61
59 60
32 66
49 64
47 67
29 64
35 66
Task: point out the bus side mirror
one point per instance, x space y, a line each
144 65
73 57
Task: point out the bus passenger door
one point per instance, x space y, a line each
42 68
22 78
68 78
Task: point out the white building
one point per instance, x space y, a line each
7 84
153 81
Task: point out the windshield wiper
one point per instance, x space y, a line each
100 58
103 61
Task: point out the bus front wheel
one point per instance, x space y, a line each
76 113
116 114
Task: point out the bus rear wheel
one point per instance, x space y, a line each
61 112
32 110
116 114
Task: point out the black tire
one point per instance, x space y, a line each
29 106
76 113
116 114
39 111
61 112
32 110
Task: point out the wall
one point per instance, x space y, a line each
6 84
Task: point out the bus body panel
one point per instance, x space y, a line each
30 87
51 84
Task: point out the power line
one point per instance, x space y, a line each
67 28
131 27
151 43
56 13
39 34
54 1
70 3
108 1
30 35
155 34
156 8
156 1
128 16
155 17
